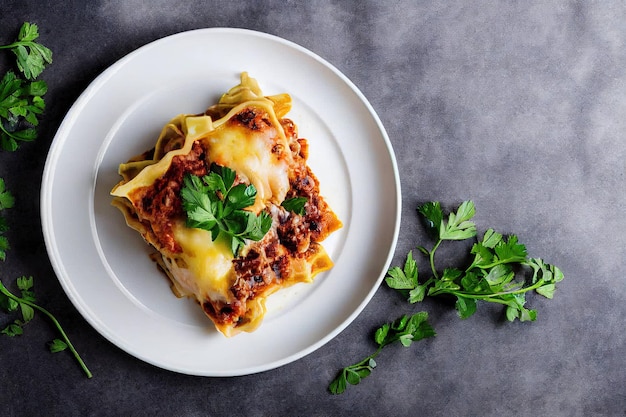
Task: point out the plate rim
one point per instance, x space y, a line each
64 130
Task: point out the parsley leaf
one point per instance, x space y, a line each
295 204
6 199
32 57
214 204
403 279
405 330
57 345
500 271
457 227
21 103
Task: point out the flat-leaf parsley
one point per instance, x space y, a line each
215 204
405 330
25 304
21 101
495 274
31 56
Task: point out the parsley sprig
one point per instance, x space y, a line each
31 56
15 328
21 100
21 103
25 304
295 204
500 271
405 330
215 204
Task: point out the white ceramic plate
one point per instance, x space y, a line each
103 265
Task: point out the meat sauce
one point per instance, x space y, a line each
160 204
267 262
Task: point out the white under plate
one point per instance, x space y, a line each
103 265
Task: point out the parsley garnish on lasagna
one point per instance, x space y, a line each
229 204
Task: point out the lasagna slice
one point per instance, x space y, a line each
248 134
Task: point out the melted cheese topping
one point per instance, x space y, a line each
243 132
250 155
208 270
262 157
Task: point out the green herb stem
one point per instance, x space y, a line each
364 364
56 323
405 330
494 264
498 294
9 134
431 257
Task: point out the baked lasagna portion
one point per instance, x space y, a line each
243 142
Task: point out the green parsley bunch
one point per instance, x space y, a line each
21 100
500 271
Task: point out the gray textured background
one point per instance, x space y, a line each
518 105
